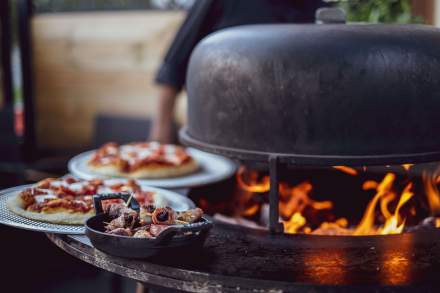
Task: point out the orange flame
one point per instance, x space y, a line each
366 225
369 184
347 170
339 227
384 196
294 223
407 166
392 222
254 185
296 204
252 210
385 202
298 199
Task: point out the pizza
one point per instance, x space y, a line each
142 160
70 201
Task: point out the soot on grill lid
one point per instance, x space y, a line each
317 94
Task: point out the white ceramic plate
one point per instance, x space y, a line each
174 200
212 169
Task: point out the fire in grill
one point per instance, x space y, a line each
398 201
292 96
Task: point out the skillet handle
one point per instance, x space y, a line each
169 233
97 200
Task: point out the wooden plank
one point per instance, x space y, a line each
436 13
425 9
89 63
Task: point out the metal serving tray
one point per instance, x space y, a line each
11 219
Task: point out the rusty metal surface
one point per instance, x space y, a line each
236 258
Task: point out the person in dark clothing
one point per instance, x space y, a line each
205 17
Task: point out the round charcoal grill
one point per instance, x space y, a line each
331 94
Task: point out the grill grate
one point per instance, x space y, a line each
9 218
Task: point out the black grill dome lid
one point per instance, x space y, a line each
356 94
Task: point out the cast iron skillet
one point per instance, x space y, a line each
171 240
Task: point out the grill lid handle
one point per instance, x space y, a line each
329 15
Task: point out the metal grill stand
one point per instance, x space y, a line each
274 167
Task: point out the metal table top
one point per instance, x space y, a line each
236 258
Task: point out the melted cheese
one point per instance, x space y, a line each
111 150
77 186
58 183
104 190
80 202
134 153
106 160
42 198
113 181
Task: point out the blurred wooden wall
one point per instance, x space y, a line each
425 9
89 63
104 62
436 13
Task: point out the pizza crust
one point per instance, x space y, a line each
152 171
15 204
105 170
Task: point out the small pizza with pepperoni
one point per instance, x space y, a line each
142 160
70 201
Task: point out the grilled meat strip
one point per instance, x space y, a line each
190 216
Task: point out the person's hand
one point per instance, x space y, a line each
162 128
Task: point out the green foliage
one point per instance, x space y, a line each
379 11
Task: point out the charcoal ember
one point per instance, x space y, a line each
155 230
120 231
427 224
332 230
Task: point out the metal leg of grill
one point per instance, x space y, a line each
274 167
